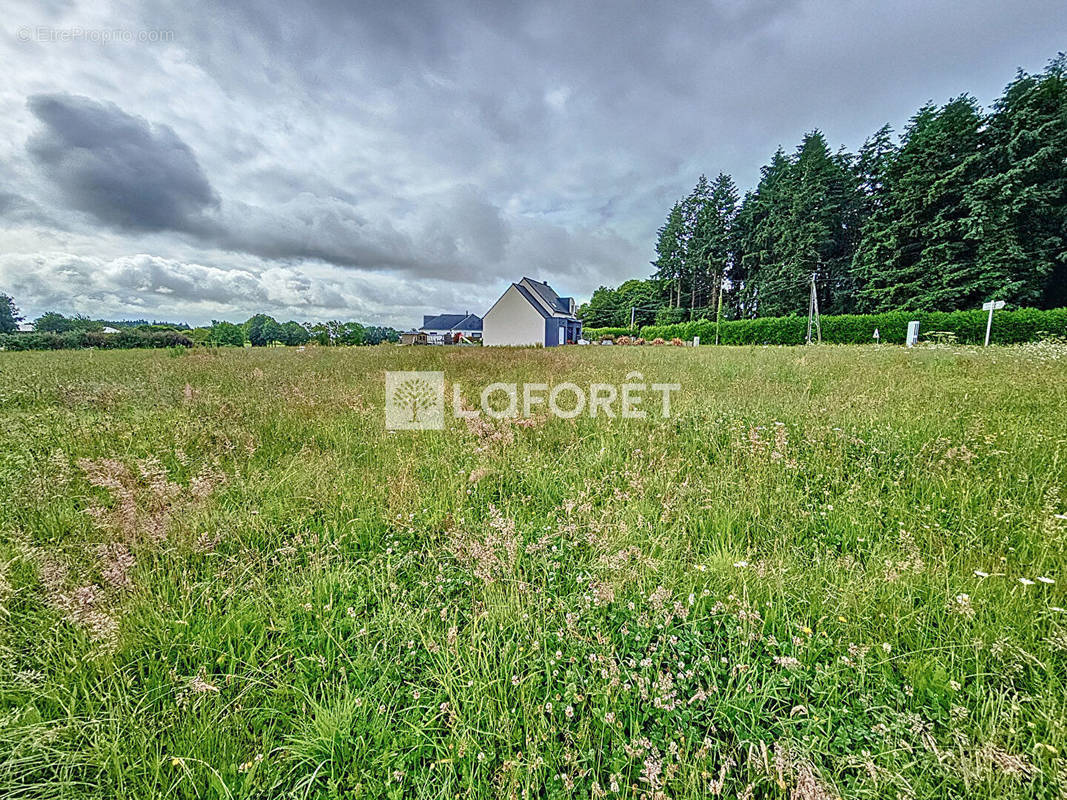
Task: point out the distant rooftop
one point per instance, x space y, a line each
452 322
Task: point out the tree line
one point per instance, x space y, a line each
259 330
964 206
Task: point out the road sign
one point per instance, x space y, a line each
991 306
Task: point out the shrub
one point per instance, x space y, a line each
76 340
597 334
968 327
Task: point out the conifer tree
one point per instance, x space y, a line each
722 213
670 256
1019 200
919 252
758 249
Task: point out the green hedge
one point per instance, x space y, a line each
1009 327
76 340
592 334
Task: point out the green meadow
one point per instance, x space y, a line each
832 572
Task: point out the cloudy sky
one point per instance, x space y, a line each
376 161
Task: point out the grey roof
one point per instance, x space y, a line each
452 322
548 294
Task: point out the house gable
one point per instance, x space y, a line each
515 319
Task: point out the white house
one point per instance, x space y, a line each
531 313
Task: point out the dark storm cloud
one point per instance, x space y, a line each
117 167
132 174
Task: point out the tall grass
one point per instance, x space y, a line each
833 572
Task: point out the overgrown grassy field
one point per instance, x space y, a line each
832 572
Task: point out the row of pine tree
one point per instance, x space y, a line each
965 206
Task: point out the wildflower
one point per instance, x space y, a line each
416 694
887 647
740 564
979 574
1026 582
963 605
569 711
787 662
548 708
1046 579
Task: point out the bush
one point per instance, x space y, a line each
596 334
77 340
968 327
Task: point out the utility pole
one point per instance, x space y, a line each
813 312
631 318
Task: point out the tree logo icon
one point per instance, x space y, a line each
415 395
414 400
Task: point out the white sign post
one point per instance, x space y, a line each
913 333
991 306
696 341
